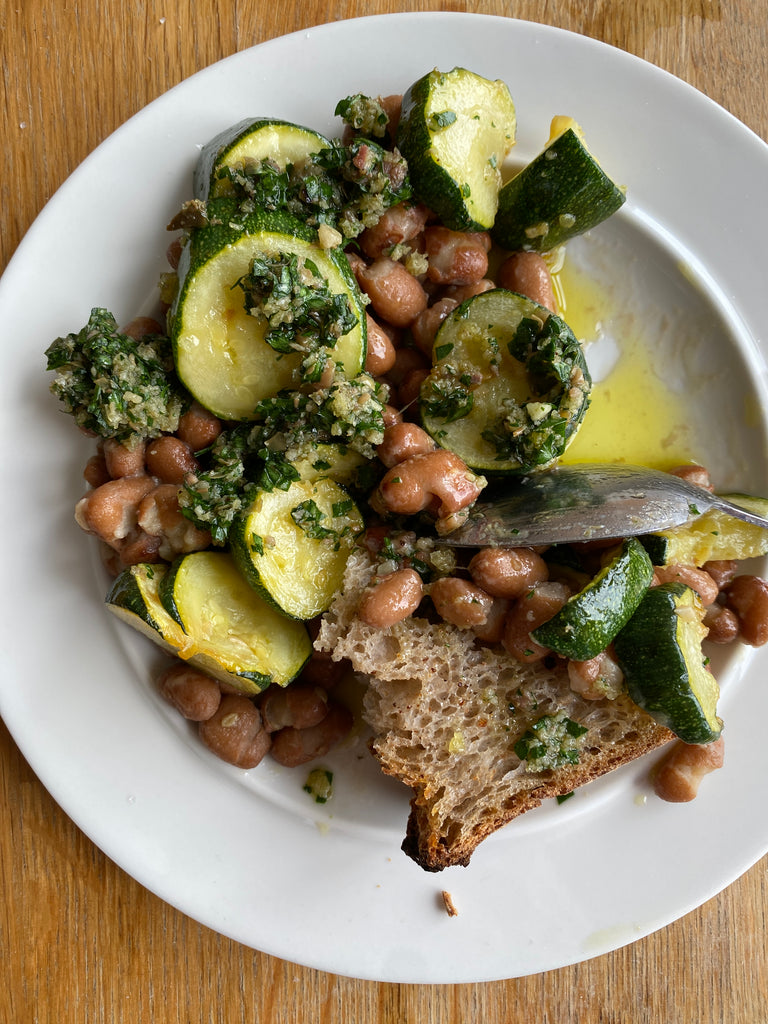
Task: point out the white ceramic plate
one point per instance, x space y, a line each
248 853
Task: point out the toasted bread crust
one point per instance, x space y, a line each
446 713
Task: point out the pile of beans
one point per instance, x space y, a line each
501 595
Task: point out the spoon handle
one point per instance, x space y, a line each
732 508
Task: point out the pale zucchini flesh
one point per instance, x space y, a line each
298 568
229 622
248 143
220 350
472 353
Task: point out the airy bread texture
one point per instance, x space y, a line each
446 713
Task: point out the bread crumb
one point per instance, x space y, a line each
450 906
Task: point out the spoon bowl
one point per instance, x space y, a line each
589 502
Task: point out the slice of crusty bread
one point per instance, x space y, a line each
446 713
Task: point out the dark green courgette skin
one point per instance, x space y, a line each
590 620
432 184
125 593
563 189
656 672
211 153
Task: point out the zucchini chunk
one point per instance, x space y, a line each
562 193
659 651
292 545
134 598
238 637
714 536
246 144
220 347
589 620
509 385
315 460
455 130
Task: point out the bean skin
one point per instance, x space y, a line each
400 223
194 694
120 460
747 596
692 577
198 428
528 274
455 257
460 602
380 356
507 572
296 705
529 612
401 441
396 295
292 747
235 732
425 326
722 624
678 777
435 477
391 599
170 459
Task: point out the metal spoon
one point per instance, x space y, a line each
570 504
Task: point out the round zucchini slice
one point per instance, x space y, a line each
659 651
714 536
455 130
237 635
220 350
134 598
562 193
589 620
247 143
509 385
292 545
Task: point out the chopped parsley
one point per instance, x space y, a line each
441 119
551 742
363 114
447 392
347 187
113 385
308 517
535 432
301 312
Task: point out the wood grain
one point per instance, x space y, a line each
81 942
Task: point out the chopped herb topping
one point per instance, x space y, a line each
308 515
441 119
447 392
345 187
319 785
535 432
363 114
551 742
113 385
301 312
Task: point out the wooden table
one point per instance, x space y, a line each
80 941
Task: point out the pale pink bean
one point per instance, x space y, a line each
297 705
747 596
123 460
460 602
461 292
694 474
439 477
380 356
678 777
455 257
292 747
198 428
507 572
160 516
690 576
141 326
235 732
400 223
170 459
194 694
722 624
396 295
529 612
401 441
110 511
528 274
426 325
391 599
